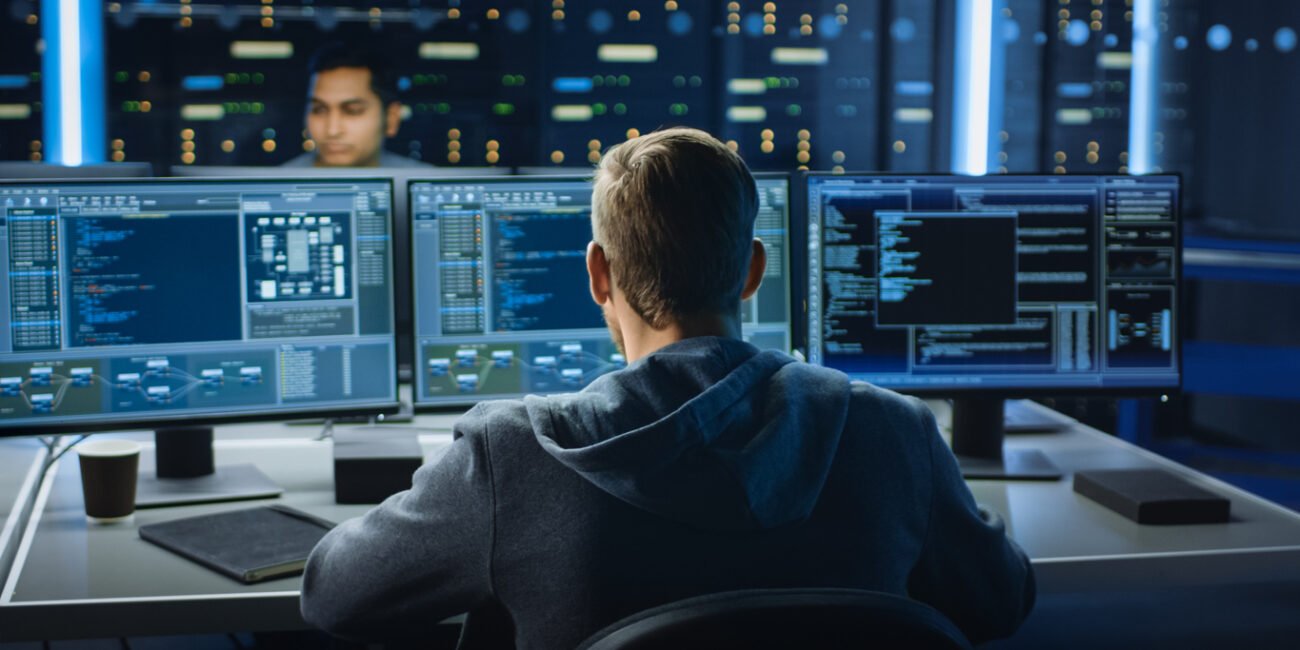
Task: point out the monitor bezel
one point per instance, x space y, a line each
1004 392
382 407
461 406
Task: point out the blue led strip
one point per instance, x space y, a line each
974 78
73 74
1142 89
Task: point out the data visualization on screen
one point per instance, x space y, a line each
502 306
138 301
1014 283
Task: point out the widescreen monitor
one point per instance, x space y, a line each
502 306
399 176
996 285
160 303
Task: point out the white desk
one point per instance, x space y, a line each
20 462
114 584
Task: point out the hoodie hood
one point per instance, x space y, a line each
708 431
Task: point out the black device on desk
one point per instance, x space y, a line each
981 288
501 302
169 303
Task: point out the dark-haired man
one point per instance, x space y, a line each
704 466
352 107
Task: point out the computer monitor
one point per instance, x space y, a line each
502 306
15 170
399 176
586 171
995 286
168 303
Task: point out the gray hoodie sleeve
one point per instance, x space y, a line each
968 569
417 558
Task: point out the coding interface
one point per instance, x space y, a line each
135 301
1002 282
502 306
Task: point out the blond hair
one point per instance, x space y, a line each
674 212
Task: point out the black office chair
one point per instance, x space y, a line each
822 618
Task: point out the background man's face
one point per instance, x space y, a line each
346 118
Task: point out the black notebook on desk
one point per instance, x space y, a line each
249 545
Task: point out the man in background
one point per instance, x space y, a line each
352 107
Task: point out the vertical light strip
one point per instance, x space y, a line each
972 77
1142 89
69 47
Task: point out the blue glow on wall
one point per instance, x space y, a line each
73 92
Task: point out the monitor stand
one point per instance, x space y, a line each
186 473
977 433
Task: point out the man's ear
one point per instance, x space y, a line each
393 119
757 264
602 285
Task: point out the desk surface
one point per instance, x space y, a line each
19 463
113 583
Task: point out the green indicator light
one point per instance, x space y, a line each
119 77
598 108
624 81
620 109
503 109
793 110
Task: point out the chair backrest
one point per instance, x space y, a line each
818 618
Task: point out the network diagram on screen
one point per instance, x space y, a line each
502 306
1007 282
136 300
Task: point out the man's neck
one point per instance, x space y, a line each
640 339
372 162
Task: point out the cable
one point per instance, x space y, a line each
55 456
326 431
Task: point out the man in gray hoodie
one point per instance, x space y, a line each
704 466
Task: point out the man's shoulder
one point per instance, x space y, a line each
301 160
501 417
390 159
873 406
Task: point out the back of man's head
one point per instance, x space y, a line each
339 54
674 212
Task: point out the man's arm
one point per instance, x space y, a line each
969 569
419 557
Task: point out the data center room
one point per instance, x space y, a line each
1065 225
